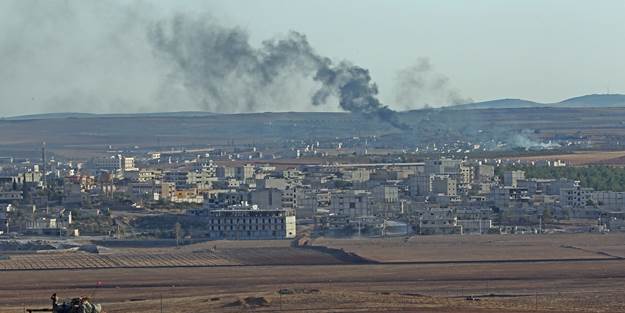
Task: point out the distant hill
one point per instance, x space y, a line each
500 104
587 101
63 115
595 101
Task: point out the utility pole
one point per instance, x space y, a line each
535 301
420 219
178 232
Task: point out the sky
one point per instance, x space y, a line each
98 56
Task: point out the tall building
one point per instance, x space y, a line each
510 178
43 165
127 164
443 167
244 222
352 203
244 172
576 197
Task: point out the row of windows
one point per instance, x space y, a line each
248 227
247 221
248 234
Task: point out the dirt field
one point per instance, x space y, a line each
483 248
583 157
171 258
573 284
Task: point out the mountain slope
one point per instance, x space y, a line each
587 101
595 101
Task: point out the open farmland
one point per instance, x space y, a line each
582 157
484 248
427 274
543 287
173 258
91 135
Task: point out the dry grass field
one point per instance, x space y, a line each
483 248
162 258
582 157
585 279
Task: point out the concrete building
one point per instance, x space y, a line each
266 198
127 164
510 178
484 173
478 226
433 184
110 164
11 196
244 222
615 221
420 185
386 200
357 176
272 182
555 186
576 197
505 197
443 167
202 179
352 203
443 184
189 195
179 178
227 198
467 175
307 203
146 175
387 194
610 200
438 221
244 172
168 190
225 172
289 198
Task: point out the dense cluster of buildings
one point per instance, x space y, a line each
241 200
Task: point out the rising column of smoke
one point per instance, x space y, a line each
224 70
419 85
355 90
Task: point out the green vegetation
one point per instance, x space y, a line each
599 177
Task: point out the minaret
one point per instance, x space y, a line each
43 161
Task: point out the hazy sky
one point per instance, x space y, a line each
94 57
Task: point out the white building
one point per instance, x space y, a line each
128 164
244 222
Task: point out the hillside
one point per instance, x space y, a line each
595 100
587 101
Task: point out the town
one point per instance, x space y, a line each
309 156
213 194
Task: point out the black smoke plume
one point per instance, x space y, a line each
221 66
